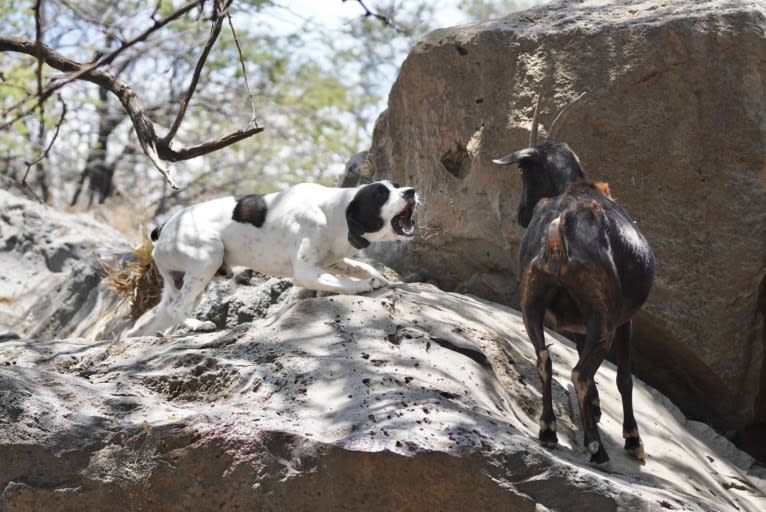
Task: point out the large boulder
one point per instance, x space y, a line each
673 120
409 398
51 281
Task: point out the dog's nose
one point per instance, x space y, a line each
409 193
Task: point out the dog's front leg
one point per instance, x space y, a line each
368 271
308 272
316 278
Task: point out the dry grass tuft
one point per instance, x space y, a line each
137 280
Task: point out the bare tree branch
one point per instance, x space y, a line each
81 69
155 148
253 119
143 126
108 58
215 30
386 20
47 150
41 107
176 155
39 70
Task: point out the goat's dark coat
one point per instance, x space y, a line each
585 262
596 235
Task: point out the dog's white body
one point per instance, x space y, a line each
303 233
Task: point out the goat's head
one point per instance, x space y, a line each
547 169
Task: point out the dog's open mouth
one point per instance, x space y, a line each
402 223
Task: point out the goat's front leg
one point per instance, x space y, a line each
633 444
597 340
533 310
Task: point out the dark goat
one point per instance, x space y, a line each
585 262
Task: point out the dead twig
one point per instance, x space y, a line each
253 119
215 30
47 149
386 20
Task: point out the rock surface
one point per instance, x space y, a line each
49 284
408 398
411 398
673 119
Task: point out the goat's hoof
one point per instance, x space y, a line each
548 438
598 456
605 466
635 447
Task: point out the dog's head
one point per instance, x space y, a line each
379 212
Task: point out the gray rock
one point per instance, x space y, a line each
356 171
51 282
232 302
409 398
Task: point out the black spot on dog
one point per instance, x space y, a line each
363 213
251 209
155 234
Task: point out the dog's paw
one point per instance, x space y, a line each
378 282
199 325
364 285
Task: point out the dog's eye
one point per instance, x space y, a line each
381 190
395 185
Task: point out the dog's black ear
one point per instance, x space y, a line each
355 227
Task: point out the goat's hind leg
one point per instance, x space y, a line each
633 444
592 399
592 355
534 313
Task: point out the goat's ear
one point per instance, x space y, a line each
519 157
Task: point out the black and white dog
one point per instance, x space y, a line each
307 232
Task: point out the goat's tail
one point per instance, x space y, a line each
556 254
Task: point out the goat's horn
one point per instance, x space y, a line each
560 117
535 121
517 157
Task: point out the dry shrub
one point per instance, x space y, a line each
136 280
